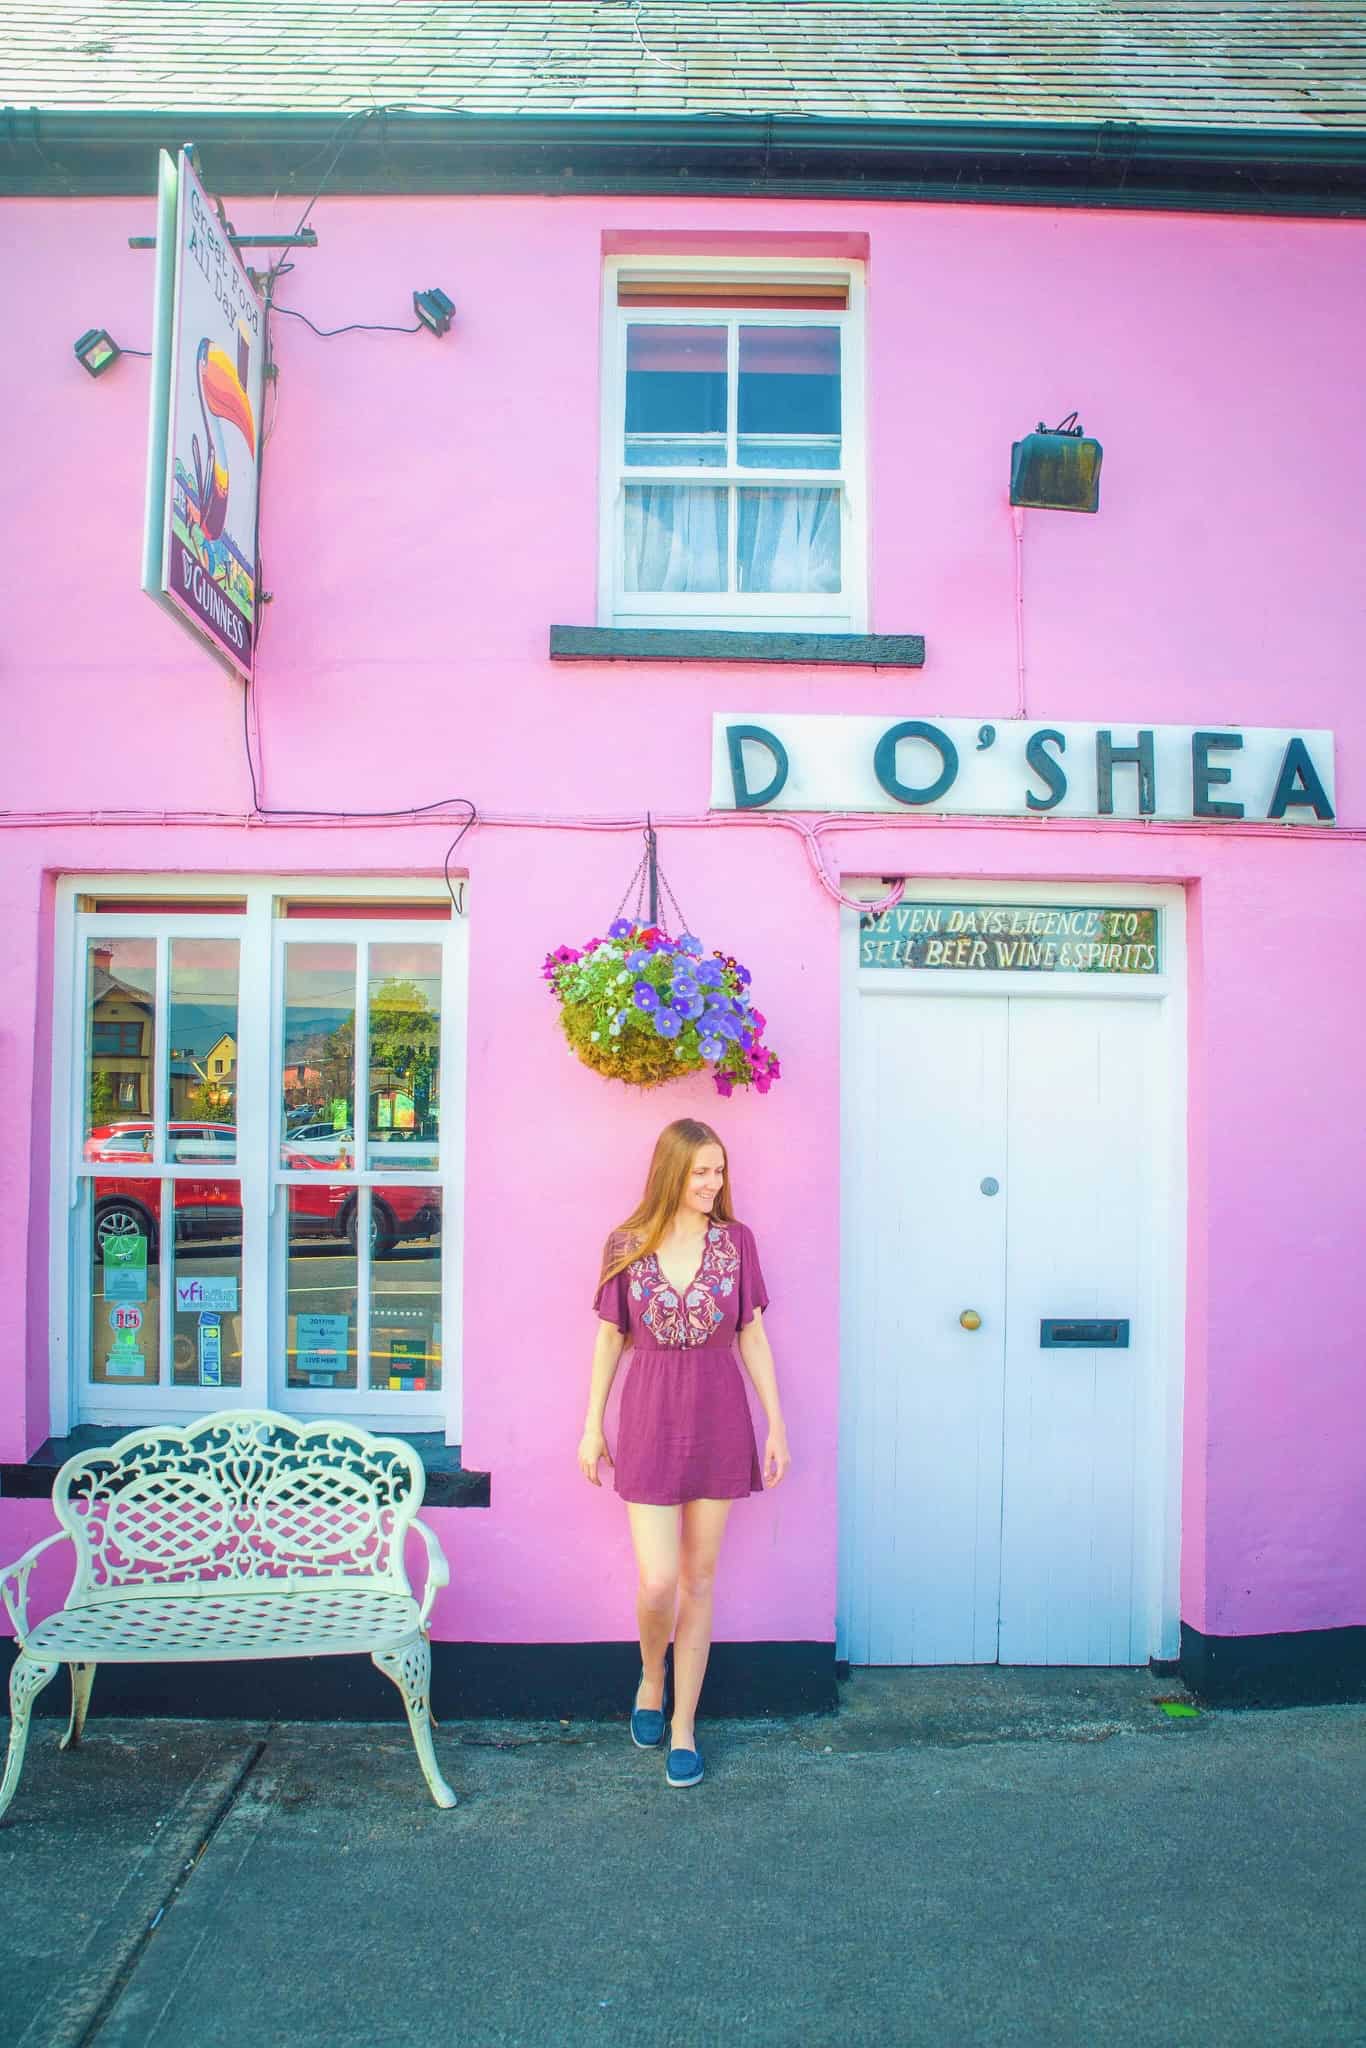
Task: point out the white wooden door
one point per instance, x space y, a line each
997 1494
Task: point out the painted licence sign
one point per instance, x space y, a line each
1037 938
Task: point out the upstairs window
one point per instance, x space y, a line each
732 448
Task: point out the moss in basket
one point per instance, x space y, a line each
638 1054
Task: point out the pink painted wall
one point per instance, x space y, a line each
430 510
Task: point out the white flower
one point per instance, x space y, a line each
594 1035
622 977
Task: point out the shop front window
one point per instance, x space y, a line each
260 1169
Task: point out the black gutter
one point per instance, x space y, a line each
1309 172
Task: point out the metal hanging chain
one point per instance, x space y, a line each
649 877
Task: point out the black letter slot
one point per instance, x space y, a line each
1055 1334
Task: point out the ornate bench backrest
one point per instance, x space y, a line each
238 1498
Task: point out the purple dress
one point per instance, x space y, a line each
684 1431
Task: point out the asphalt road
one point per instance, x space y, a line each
957 1857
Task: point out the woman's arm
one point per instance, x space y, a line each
757 1358
606 1358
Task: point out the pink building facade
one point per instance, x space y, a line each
456 552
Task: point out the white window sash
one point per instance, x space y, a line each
257 1168
845 610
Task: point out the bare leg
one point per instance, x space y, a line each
82 1678
654 1532
704 1525
26 1680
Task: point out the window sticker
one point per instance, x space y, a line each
210 1349
125 1268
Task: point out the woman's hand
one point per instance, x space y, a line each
592 1446
777 1456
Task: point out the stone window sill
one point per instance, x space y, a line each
648 643
448 1484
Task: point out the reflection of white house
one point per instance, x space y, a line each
219 1063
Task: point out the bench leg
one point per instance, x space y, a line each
410 1668
82 1678
26 1681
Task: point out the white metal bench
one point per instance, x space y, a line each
246 1534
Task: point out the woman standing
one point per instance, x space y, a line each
681 1281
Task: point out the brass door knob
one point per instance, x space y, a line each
970 1319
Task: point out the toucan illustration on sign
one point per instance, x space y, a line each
222 398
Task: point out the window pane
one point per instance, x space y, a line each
676 537
206 1345
317 1084
405 1290
789 398
789 540
202 1033
321 1287
125 1284
405 1057
676 396
120 1039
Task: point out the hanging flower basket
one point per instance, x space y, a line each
643 1007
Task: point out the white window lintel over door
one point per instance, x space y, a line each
261 932
1164 995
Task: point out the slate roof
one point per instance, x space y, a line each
1271 64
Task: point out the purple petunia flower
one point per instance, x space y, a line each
712 1048
640 958
645 997
668 1023
709 973
620 928
688 944
724 1084
688 1007
762 1083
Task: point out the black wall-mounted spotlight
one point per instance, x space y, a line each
1056 468
96 350
434 309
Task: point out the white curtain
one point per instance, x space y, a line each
789 540
675 537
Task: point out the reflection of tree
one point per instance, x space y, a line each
405 1042
212 1101
99 1107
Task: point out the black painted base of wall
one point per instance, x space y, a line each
1296 1668
594 1681
512 1681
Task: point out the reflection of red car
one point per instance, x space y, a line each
210 1208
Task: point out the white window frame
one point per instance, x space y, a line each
843 611
262 933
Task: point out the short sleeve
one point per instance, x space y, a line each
753 1293
612 1300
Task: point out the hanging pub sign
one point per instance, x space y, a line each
204 441
1020 768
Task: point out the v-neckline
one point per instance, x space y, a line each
684 1292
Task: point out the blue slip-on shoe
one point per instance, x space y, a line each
684 1767
647 1723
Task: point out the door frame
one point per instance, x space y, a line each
1164 1407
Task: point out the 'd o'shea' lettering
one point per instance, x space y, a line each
1144 766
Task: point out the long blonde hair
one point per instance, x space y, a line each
643 1231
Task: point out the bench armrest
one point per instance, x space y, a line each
14 1583
438 1571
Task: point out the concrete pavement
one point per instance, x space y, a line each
968 1855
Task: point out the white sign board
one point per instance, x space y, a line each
1019 768
208 374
